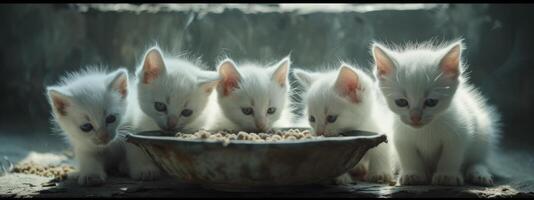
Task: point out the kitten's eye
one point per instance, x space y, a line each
311 119
160 107
187 112
110 119
331 118
401 102
271 110
247 111
86 127
431 102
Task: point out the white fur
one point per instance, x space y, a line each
91 96
456 136
179 85
369 114
258 89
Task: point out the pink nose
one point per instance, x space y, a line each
171 122
104 136
415 118
319 132
260 126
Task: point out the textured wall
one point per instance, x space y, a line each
41 42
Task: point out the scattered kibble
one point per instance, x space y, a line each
58 171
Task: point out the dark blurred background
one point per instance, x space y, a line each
39 43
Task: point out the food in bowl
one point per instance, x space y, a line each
271 136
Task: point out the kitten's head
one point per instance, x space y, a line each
172 92
337 101
90 106
253 97
418 82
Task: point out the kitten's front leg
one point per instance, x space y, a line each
479 174
140 166
413 170
449 164
91 168
379 165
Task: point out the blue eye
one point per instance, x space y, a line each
247 111
401 102
431 102
271 110
86 127
331 118
187 112
160 107
311 119
110 119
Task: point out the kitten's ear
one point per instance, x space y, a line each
281 72
348 84
305 78
229 75
58 100
450 63
383 61
208 80
118 81
153 65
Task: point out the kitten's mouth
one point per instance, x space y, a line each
170 131
416 125
103 142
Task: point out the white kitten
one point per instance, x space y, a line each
252 98
347 99
88 106
444 129
170 95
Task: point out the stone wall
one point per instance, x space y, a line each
41 42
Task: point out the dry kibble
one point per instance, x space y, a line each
270 136
242 135
276 137
57 171
291 137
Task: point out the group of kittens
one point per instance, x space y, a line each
441 128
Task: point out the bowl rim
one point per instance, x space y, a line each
159 136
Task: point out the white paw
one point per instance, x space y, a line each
91 178
452 179
412 178
344 179
144 172
479 176
380 177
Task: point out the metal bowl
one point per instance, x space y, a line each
254 166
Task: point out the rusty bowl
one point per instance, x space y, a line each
253 166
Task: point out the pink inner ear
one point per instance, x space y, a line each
348 86
150 74
281 77
350 90
152 66
450 64
123 87
230 77
60 105
228 85
383 63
